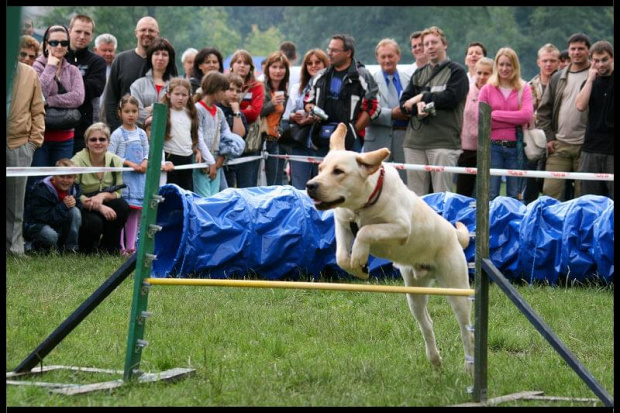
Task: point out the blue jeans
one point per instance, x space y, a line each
504 158
243 175
302 172
274 167
66 239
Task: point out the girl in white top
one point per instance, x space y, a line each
183 138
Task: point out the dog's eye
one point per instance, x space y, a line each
338 171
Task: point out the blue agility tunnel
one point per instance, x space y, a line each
274 232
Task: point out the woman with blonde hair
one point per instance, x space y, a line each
104 211
510 99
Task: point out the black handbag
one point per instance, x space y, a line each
62 118
322 132
296 134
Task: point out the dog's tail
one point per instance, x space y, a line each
462 234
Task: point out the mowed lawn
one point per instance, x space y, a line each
270 347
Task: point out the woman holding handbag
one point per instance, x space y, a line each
313 62
501 93
63 91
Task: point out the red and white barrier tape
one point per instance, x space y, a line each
43 171
15 171
473 171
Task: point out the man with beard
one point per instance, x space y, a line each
128 66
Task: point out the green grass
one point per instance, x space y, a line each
270 347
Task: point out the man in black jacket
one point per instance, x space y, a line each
92 67
347 93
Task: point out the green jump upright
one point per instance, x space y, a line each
146 245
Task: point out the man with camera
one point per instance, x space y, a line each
346 92
435 98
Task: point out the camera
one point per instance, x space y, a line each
430 109
320 113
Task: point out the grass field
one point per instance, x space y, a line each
268 347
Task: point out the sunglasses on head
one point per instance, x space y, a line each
24 55
100 139
55 43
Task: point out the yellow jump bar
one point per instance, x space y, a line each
299 285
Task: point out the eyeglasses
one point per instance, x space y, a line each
330 50
55 43
27 25
100 139
24 55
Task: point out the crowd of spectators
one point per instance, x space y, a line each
425 113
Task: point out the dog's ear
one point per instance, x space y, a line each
372 160
336 141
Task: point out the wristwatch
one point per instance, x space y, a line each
237 114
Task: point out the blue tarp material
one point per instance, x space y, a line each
275 232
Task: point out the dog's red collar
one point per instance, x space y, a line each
374 197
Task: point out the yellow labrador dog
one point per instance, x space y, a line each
375 213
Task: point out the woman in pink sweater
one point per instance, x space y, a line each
501 94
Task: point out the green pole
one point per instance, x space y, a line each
146 245
13 22
481 303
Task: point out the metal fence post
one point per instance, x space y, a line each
481 303
148 228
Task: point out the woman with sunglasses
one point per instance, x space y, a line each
62 87
29 49
104 211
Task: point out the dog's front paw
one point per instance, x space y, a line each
359 273
359 255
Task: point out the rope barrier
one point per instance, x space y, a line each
16 171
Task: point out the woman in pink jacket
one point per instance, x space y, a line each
62 87
501 93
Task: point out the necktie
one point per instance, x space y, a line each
392 91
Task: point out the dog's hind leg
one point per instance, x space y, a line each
461 306
462 310
417 305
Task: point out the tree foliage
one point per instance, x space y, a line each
259 29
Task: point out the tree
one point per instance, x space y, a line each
262 43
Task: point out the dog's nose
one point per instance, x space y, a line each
311 187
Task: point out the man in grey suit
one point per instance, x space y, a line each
388 129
